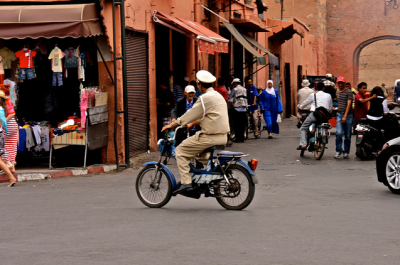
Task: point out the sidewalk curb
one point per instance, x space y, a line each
59 174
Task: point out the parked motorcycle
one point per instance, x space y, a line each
227 177
370 139
317 139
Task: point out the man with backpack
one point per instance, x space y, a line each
321 99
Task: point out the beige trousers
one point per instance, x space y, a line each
192 147
254 116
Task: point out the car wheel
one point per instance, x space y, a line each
392 172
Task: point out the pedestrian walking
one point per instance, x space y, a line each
252 97
3 129
397 91
345 119
11 137
385 91
221 89
239 96
271 107
361 103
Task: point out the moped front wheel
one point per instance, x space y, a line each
154 188
319 150
239 192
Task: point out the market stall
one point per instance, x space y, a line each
49 56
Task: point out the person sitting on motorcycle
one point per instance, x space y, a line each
378 108
323 100
302 95
210 109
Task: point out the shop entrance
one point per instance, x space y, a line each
138 107
238 60
288 94
48 98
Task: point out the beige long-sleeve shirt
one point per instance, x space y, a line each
302 95
212 112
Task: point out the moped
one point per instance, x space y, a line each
226 177
317 139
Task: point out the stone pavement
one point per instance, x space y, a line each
304 212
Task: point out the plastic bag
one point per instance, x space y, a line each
279 118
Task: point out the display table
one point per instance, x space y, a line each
94 136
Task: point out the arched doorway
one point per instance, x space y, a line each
374 61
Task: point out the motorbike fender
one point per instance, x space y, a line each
169 173
252 174
359 138
324 139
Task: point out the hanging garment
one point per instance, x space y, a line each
8 56
37 133
55 56
21 140
84 106
12 89
29 143
57 79
70 60
25 58
80 71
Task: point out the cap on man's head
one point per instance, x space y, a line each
328 75
236 80
327 83
305 83
383 84
205 77
341 79
190 89
186 79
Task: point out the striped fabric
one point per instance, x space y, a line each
11 139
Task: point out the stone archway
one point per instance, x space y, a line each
357 52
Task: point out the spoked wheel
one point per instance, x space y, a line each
392 178
239 192
319 150
153 193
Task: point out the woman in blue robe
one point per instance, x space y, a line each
271 106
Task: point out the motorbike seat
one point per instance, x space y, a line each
230 154
364 121
217 147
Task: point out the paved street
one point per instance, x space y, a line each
304 212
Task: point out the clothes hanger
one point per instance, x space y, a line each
56 47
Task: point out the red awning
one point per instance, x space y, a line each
208 41
49 21
221 44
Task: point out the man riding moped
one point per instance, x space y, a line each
323 100
210 109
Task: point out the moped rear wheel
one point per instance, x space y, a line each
151 193
319 150
239 193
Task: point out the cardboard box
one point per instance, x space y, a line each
101 99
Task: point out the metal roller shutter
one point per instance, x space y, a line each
138 92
